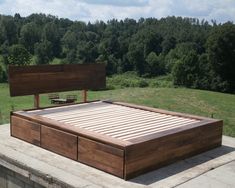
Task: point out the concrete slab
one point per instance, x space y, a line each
223 176
52 170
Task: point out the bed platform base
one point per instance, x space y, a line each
122 139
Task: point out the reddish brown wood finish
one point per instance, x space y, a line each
101 156
25 130
72 130
59 142
155 153
125 159
30 80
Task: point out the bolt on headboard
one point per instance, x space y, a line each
38 79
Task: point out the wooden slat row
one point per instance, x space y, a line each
79 114
116 121
122 116
98 110
94 115
146 129
74 110
146 126
152 131
117 124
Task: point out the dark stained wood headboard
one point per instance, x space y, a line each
38 79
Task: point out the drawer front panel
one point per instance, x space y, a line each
101 156
59 142
25 130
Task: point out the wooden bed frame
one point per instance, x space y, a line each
122 139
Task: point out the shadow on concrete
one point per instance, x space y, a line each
180 166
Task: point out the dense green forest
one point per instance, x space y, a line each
197 54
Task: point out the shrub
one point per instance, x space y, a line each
143 83
130 79
18 55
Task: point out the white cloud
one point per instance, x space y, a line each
120 3
59 8
91 10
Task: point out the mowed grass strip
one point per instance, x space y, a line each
192 101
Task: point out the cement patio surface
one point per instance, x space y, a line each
215 168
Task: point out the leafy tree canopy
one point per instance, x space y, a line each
18 55
221 51
198 54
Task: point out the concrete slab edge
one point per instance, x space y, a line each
204 172
31 174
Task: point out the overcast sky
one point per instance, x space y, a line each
92 10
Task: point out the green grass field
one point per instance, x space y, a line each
192 101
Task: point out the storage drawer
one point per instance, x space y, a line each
101 156
59 142
25 130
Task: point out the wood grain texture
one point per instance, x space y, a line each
154 138
117 121
147 156
26 130
59 142
73 130
157 110
101 156
28 80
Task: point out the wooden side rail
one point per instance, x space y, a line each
38 79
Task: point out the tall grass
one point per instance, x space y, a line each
131 79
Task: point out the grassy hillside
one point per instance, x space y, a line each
191 101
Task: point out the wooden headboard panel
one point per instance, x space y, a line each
37 79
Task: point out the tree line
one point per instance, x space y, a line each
197 54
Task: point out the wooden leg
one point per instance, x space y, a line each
36 100
84 95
